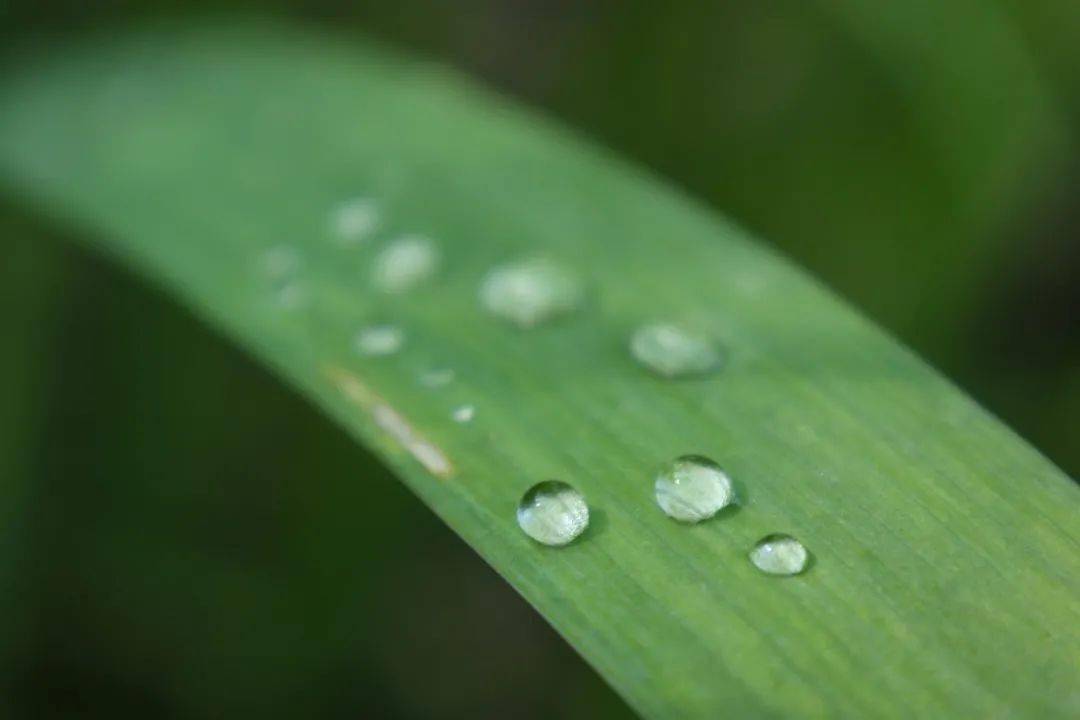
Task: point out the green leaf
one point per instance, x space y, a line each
945 567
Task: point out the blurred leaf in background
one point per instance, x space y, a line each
919 157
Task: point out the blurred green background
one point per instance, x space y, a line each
185 538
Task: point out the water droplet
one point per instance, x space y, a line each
464 413
380 340
530 292
354 221
405 263
553 513
672 352
438 378
693 488
779 555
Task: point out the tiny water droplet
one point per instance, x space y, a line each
379 340
354 221
405 263
553 513
464 413
693 488
530 292
779 554
672 352
437 378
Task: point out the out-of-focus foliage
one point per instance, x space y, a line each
922 161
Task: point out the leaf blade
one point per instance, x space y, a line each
191 153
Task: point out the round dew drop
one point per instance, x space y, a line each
553 513
531 292
779 554
672 352
379 340
693 488
405 263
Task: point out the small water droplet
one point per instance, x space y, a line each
672 352
380 340
437 378
464 413
405 263
553 513
779 554
693 488
355 221
530 292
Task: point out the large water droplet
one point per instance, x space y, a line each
530 292
354 221
405 263
693 488
553 513
672 352
380 340
779 555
